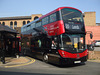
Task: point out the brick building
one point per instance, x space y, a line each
96 33
91 25
19 21
90 18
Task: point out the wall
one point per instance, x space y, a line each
96 33
20 21
33 16
94 55
90 18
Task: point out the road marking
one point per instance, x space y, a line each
32 61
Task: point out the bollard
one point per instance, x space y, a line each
2 60
17 56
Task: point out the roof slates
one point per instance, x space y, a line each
4 28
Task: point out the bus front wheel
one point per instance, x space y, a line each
45 58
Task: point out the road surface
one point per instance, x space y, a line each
42 68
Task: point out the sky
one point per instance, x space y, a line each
10 8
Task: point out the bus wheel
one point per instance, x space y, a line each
45 58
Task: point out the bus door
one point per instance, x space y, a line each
36 46
43 46
54 56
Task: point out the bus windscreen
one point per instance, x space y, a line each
73 19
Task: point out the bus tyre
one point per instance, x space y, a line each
45 58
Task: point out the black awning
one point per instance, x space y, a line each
4 28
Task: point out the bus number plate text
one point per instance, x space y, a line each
77 62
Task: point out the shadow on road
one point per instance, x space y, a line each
22 73
59 66
68 66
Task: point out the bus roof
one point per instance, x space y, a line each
58 9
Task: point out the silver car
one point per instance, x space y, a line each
97 43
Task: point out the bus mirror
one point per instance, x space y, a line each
91 36
83 15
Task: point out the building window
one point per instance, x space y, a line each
11 24
28 21
24 22
36 17
15 24
3 23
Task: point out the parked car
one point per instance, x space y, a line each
96 43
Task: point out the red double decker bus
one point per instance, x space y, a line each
57 37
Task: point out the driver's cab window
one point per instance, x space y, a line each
65 41
81 43
54 43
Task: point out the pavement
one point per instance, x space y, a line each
15 62
96 48
98 61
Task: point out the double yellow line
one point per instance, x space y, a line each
32 61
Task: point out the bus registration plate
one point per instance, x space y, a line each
77 62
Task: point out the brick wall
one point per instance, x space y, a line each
94 55
19 20
96 33
90 18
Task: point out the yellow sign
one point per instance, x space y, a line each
68 43
75 45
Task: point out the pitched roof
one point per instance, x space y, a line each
4 28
